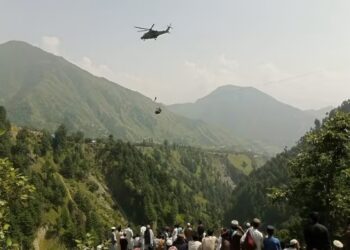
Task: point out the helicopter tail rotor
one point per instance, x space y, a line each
169 28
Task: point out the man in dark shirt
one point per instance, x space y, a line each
200 229
271 242
123 242
235 234
316 235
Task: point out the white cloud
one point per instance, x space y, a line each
95 68
228 63
51 44
126 79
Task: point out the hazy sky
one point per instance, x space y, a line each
298 51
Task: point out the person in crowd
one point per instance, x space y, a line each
194 243
180 243
293 245
346 237
136 243
123 242
200 230
188 231
235 234
160 242
118 234
142 237
224 240
271 242
180 230
113 238
148 238
175 232
129 236
252 239
246 226
166 232
209 242
316 235
168 243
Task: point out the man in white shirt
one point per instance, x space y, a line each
142 237
129 234
175 232
255 234
194 243
209 242
113 238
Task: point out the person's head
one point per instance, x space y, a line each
256 223
210 232
112 229
119 228
199 222
294 243
128 225
270 230
234 224
338 244
181 236
168 242
195 237
314 217
188 224
247 225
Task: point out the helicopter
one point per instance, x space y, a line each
151 33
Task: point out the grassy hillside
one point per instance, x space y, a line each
41 90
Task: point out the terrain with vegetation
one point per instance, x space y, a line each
312 176
83 185
41 90
35 83
253 115
83 154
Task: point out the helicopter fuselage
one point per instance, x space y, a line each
153 34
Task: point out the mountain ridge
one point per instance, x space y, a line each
43 90
240 109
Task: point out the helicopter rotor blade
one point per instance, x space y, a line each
141 28
152 27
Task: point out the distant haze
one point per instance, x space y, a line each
297 51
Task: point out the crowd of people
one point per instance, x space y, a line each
237 237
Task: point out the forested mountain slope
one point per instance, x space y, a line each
301 175
41 90
250 113
83 185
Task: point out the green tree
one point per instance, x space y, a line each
45 143
320 172
60 138
5 138
86 243
14 187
